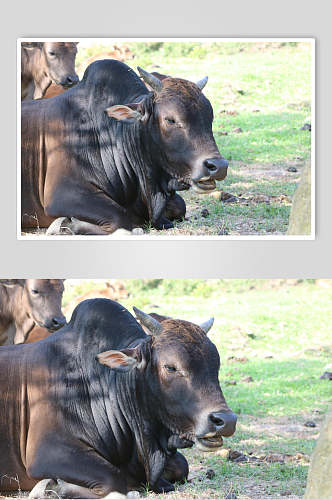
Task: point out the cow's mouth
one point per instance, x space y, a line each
209 443
204 186
68 85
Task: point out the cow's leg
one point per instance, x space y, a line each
176 468
71 225
79 473
88 213
175 208
56 488
163 486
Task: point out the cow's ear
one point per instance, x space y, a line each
32 45
121 361
127 114
12 282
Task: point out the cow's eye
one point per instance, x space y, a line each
51 53
170 368
170 121
34 292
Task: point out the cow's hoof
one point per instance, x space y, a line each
115 495
59 226
43 489
137 231
163 486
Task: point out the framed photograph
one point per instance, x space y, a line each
204 388
176 138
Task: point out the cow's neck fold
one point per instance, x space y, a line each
149 435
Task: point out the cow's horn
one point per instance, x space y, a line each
201 84
148 321
206 326
152 80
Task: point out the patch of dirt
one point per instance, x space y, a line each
287 427
271 171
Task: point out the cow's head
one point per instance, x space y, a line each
57 60
180 120
181 375
42 302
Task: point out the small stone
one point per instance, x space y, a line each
133 494
237 130
306 126
286 493
205 213
310 423
223 453
222 132
230 382
237 456
247 379
326 376
292 169
227 197
256 110
210 473
214 194
137 231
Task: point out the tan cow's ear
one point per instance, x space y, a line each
124 113
12 282
32 45
119 360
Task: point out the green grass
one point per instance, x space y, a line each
282 329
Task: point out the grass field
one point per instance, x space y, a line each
261 96
279 333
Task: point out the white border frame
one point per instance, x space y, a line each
148 237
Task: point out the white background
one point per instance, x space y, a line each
172 258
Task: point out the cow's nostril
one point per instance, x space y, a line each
216 419
209 164
57 322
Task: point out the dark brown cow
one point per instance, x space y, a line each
100 406
108 154
26 303
44 63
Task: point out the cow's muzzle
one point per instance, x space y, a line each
54 323
220 424
212 170
69 81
